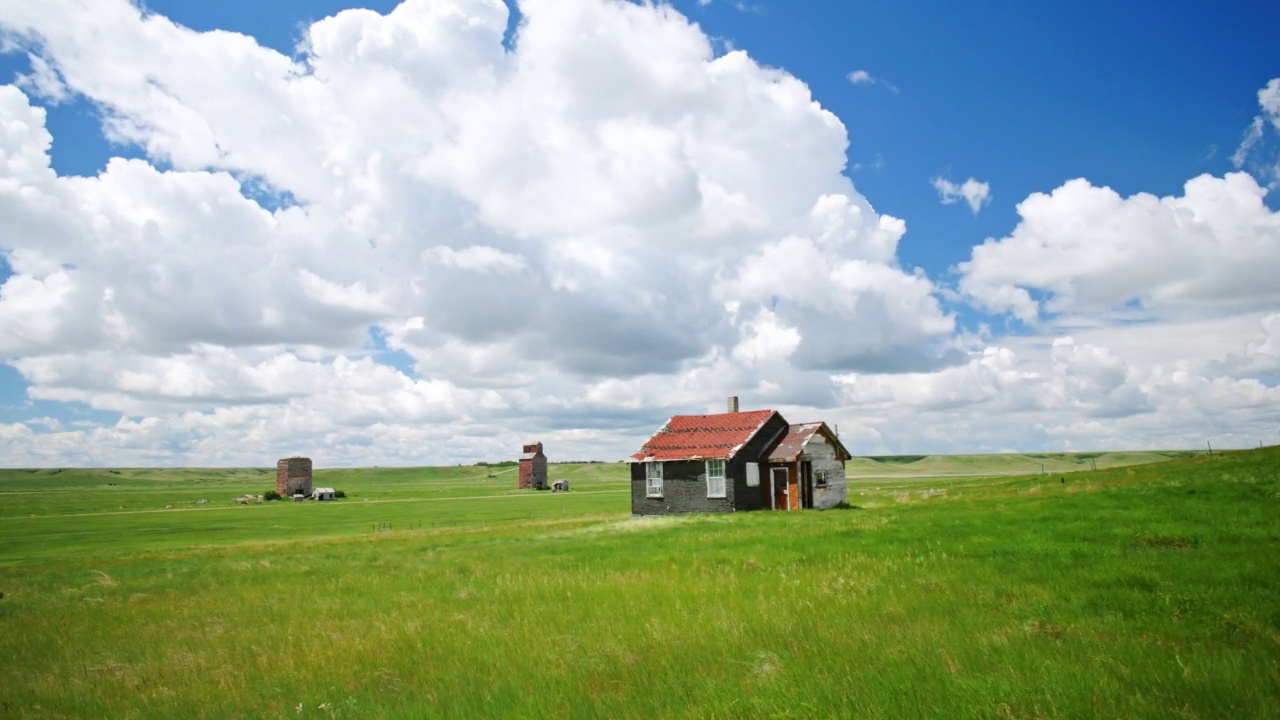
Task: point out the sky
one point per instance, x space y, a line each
429 232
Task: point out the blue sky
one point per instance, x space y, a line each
1058 335
1023 97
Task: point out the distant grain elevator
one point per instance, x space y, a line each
533 468
293 477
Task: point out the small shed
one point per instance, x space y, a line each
323 494
806 469
533 468
560 486
293 476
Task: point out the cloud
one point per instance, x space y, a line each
1083 250
1064 392
43 81
976 194
567 239
755 8
862 77
1251 138
480 258
530 226
1269 100
1256 133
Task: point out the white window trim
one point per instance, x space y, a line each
724 488
652 472
820 478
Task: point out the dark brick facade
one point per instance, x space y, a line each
684 482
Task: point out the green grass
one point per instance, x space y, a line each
1143 591
1003 463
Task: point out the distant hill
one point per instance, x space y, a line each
870 467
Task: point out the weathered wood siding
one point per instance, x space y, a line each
533 472
293 476
823 456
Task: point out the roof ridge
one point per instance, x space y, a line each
710 435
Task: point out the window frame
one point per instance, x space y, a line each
652 472
724 485
820 478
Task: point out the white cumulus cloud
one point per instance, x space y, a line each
525 227
1087 250
411 243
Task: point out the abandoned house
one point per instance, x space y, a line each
736 461
293 477
323 494
533 468
806 469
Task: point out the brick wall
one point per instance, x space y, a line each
293 475
684 482
684 490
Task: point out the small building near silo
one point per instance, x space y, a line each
323 494
293 477
533 468
736 461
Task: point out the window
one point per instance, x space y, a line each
715 479
820 477
753 474
653 479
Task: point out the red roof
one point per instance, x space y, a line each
701 437
798 436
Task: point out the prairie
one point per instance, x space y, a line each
1003 463
1134 591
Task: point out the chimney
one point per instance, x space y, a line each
733 403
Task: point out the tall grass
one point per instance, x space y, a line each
1134 592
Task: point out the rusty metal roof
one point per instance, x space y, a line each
798 435
703 437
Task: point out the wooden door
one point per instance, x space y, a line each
780 485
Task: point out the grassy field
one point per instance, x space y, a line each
1139 591
1004 463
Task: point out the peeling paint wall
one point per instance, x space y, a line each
823 456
